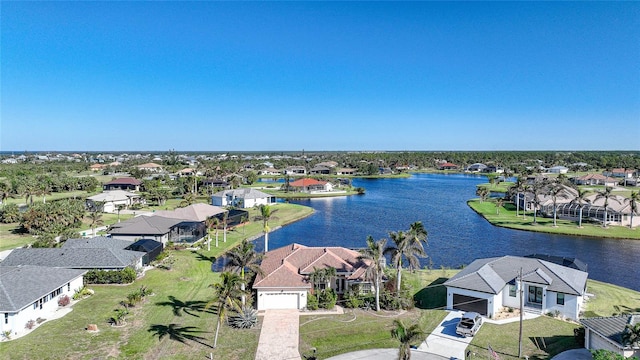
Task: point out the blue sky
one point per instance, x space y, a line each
268 76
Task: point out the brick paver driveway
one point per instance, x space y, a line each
279 335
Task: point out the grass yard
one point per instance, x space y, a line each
609 300
53 196
507 218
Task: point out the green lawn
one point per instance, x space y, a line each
53 196
507 218
609 300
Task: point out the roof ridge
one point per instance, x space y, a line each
558 276
13 305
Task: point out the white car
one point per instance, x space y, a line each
469 324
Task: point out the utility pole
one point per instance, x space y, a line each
521 313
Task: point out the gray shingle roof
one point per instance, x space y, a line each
75 258
21 286
611 327
145 225
247 193
195 212
97 242
490 275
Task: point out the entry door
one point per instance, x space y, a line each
535 294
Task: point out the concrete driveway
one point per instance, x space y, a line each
385 354
279 335
444 341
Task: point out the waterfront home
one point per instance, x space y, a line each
320 170
309 185
124 183
606 333
487 285
595 179
269 171
620 173
295 170
346 171
158 228
29 293
447 166
618 211
110 200
477 167
284 282
242 198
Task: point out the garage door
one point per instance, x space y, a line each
281 301
470 303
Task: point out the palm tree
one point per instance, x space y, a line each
244 257
499 203
266 213
536 191
580 199
95 218
212 223
483 192
225 218
607 195
633 201
406 335
5 192
404 248
189 199
516 189
631 335
119 208
556 191
226 297
374 255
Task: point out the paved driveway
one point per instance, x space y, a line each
444 341
279 335
385 354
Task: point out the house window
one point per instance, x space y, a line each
68 287
6 318
512 290
560 299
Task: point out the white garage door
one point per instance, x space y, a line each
281 300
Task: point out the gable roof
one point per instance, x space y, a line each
125 181
289 266
97 242
490 275
247 193
611 327
195 212
149 166
21 286
73 258
113 195
145 225
306 182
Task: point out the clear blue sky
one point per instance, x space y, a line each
229 76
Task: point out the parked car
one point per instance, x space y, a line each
469 324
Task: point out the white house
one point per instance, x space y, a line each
31 292
111 199
606 333
487 285
558 170
284 283
242 198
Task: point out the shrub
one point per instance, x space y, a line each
312 302
64 300
119 316
327 299
246 318
353 301
10 213
6 334
82 292
124 276
30 324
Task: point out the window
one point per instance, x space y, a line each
68 287
512 290
6 318
560 299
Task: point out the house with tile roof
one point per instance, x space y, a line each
242 198
595 179
487 285
284 283
150 167
32 292
606 333
310 185
194 212
125 183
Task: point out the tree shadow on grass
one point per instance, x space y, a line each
192 307
432 297
202 257
178 333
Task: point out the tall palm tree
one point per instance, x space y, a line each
226 296
119 208
406 335
225 221
266 213
556 191
374 255
95 218
536 191
417 235
499 203
244 257
5 192
403 247
607 195
633 201
483 192
580 199
212 223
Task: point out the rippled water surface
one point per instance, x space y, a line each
457 235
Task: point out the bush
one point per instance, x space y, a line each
327 299
82 292
6 334
10 213
125 276
30 324
246 318
353 301
119 316
64 300
578 333
312 302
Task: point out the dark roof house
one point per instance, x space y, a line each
606 333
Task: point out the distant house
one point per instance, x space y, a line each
111 199
216 183
595 179
195 212
189 172
242 198
295 170
97 167
487 285
606 333
32 292
310 185
269 171
125 183
558 170
477 167
620 173
284 281
150 167
329 164
346 171
81 257
447 166
320 170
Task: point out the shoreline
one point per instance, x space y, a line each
541 228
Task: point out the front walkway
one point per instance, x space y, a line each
279 336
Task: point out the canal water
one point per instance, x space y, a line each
456 234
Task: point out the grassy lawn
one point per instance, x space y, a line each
502 187
610 300
507 218
53 196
